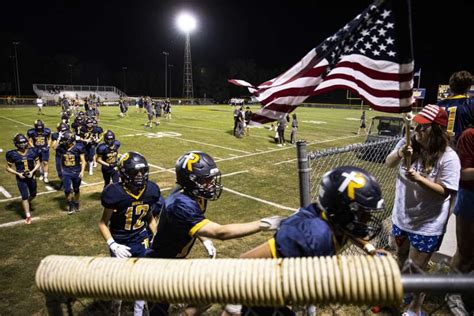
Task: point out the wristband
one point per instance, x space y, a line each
369 248
110 241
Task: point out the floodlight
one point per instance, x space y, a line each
186 22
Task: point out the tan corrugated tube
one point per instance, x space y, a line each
357 280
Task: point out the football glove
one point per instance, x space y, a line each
211 250
120 251
60 136
271 223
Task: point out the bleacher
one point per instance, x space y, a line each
54 91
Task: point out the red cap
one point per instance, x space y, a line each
432 114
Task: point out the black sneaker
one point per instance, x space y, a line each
76 206
71 210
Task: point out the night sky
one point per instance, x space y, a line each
250 40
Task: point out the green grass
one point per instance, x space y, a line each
207 128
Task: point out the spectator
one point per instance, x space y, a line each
325 226
26 162
464 208
40 138
182 220
281 131
459 105
247 116
362 124
73 164
294 127
423 188
128 213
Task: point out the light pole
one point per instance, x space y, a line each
166 72
70 73
170 67
124 70
187 24
15 44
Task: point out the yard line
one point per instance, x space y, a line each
261 200
49 188
186 140
6 118
84 182
155 166
9 224
233 173
233 155
5 192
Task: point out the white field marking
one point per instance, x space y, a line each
217 157
157 167
186 140
258 149
49 188
323 141
5 192
22 221
84 182
352 119
6 118
315 122
286 147
261 200
162 134
234 173
233 155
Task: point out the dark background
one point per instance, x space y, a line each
249 40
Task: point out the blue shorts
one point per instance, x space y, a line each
421 243
44 156
464 204
71 179
138 243
27 188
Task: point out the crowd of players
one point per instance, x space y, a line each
348 207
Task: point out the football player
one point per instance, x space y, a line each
128 211
73 164
182 220
123 107
89 135
107 154
349 207
56 139
40 138
23 162
79 121
158 105
149 111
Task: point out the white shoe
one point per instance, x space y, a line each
45 179
280 145
41 177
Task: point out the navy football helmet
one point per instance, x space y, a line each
133 169
39 126
68 138
20 141
89 123
109 138
197 174
62 127
352 200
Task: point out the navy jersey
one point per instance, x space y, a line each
76 125
130 211
91 135
461 113
179 221
108 154
40 140
304 234
71 157
23 162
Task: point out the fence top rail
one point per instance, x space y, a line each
352 147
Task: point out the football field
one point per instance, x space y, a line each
260 179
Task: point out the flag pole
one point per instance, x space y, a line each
407 117
419 78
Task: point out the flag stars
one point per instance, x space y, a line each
391 53
382 47
365 32
376 53
389 25
368 45
386 13
382 32
374 39
389 40
379 22
324 47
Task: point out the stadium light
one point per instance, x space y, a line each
186 22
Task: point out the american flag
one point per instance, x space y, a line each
371 55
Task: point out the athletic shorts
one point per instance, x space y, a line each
421 243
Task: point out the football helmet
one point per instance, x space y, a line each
351 199
81 113
62 127
68 138
198 174
133 169
39 126
109 138
20 141
89 123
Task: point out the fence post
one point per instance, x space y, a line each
303 173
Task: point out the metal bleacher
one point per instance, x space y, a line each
54 91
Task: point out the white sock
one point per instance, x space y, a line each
138 308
